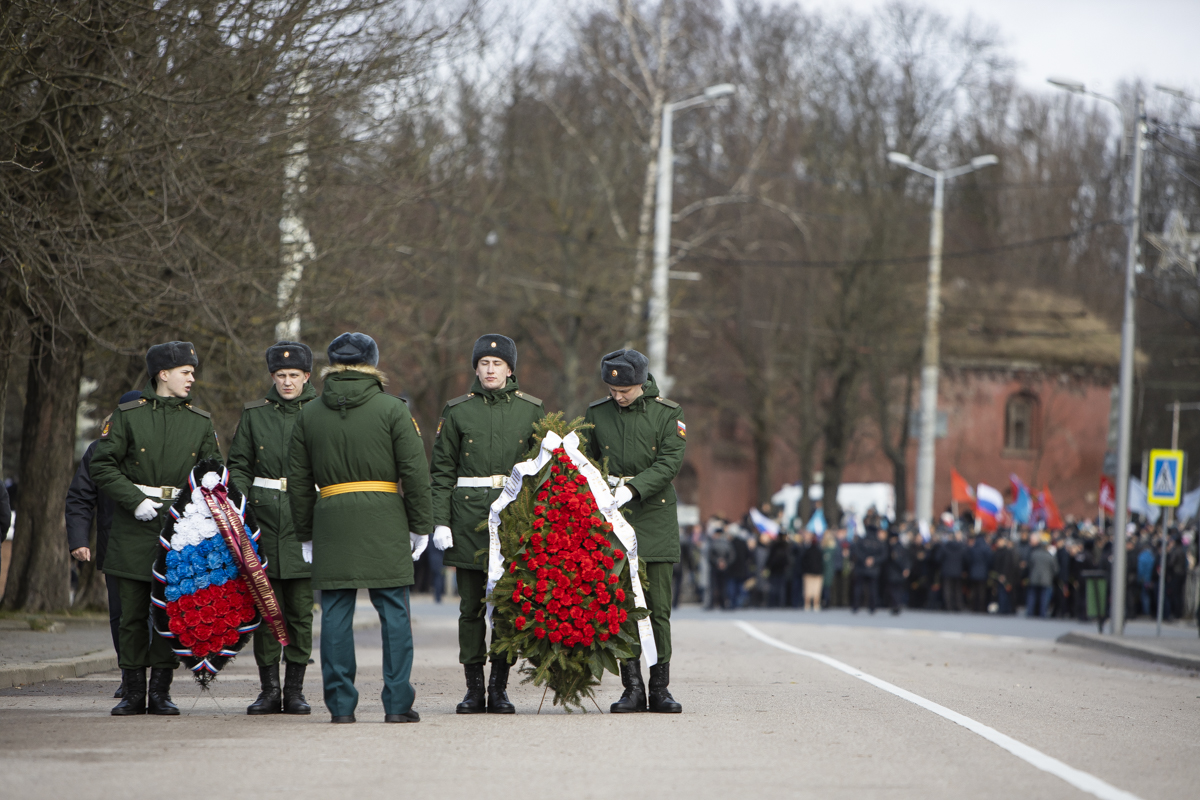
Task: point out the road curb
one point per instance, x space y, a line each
1133 649
57 668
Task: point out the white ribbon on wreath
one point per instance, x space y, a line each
608 509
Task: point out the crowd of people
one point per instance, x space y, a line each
877 563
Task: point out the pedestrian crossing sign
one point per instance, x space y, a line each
1166 472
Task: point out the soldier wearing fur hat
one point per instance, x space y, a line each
146 451
481 436
357 443
258 464
642 435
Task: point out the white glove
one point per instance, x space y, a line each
418 543
442 538
622 495
146 510
306 551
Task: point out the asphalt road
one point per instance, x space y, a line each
758 721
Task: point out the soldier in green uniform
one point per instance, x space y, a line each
258 464
480 437
146 451
357 443
642 434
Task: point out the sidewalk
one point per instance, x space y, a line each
1179 645
46 648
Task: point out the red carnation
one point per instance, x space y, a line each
520 623
602 636
187 638
527 591
540 615
527 607
618 555
203 631
542 585
612 578
620 595
553 606
539 633
555 637
542 495
516 595
539 522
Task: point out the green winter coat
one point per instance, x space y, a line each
480 434
356 432
260 450
644 441
154 441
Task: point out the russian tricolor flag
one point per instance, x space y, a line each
989 504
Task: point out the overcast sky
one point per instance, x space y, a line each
1099 42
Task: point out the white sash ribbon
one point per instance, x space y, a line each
608 509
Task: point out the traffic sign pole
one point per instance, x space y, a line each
1165 488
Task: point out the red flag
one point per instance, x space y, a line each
1054 520
1108 495
960 490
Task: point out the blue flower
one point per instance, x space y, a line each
172 558
187 586
172 594
172 575
231 572
214 560
201 580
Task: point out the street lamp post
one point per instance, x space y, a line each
1128 334
660 279
930 359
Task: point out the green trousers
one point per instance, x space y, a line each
659 575
472 620
295 598
140 644
338 665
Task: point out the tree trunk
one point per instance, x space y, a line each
38 576
838 426
11 340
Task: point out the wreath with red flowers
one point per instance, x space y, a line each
565 602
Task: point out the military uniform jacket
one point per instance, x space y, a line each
260 450
154 441
643 442
356 432
480 434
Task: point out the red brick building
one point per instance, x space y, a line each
1025 388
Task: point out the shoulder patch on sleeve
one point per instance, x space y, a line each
667 403
441 422
415 425
107 427
132 404
528 398
199 411
601 401
256 404
461 399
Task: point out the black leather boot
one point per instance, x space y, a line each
120 692
497 691
661 701
634 698
159 697
293 689
473 702
269 700
134 701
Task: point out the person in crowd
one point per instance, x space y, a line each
870 553
1006 572
1146 563
777 567
146 451
979 562
952 563
481 435
812 568
86 503
720 557
258 466
831 565
896 571
1043 568
740 569
359 445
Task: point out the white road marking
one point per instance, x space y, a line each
1077 778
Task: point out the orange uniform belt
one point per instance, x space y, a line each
359 486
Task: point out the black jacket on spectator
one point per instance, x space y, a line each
952 557
869 547
812 560
979 560
1007 567
777 556
898 561
740 566
5 512
84 500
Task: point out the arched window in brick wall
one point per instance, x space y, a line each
1021 431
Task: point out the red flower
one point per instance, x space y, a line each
541 496
602 636
202 631
553 606
528 591
539 633
620 595
527 607
520 623
540 615
555 637
542 585
187 638
618 555
612 578
557 593
539 522
512 567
